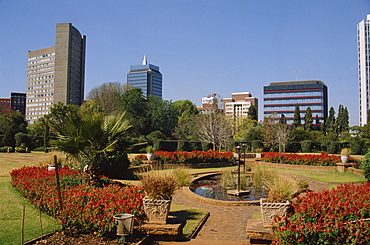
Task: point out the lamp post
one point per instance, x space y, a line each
238 149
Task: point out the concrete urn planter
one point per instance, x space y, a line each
271 210
344 158
156 210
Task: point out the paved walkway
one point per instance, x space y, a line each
226 225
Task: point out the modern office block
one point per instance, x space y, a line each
18 102
147 77
281 98
57 73
238 105
363 43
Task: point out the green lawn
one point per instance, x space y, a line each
11 203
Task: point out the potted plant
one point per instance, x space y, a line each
150 153
280 191
159 189
345 154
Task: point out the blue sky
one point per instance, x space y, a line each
202 47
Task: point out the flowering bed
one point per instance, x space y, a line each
330 217
209 156
323 159
86 208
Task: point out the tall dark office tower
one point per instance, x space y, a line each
147 77
281 98
57 73
363 43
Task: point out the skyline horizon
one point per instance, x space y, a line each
221 48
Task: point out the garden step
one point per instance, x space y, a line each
256 232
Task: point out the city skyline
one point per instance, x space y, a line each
201 48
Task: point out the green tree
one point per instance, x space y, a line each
12 123
162 115
331 125
297 117
93 139
308 119
342 119
133 102
107 96
252 113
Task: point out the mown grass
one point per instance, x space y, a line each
193 217
11 203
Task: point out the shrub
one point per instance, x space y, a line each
330 217
194 156
182 176
333 147
306 145
159 186
365 166
86 208
6 148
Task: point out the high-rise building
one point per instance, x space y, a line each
57 73
147 77
238 105
18 102
281 98
363 43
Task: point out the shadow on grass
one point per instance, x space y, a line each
187 214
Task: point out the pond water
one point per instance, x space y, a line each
211 188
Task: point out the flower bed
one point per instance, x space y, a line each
323 159
86 208
194 157
330 217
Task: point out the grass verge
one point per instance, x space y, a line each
193 216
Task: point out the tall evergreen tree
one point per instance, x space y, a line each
282 119
308 121
331 125
342 119
252 113
297 117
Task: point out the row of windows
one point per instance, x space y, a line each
40 95
292 108
41 56
293 94
40 78
40 74
38 108
294 101
38 113
41 61
37 100
40 65
41 86
40 69
291 115
40 91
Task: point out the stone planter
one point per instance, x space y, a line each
150 156
344 158
156 210
271 210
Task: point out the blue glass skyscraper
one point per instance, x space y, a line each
147 77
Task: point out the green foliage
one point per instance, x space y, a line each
297 117
333 147
91 138
306 145
182 176
308 120
252 113
365 165
342 119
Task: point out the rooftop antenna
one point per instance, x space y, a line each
144 61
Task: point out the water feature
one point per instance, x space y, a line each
211 187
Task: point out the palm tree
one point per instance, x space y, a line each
89 137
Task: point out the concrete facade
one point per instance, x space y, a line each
57 73
238 105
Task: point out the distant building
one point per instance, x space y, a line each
57 73
147 77
281 98
5 105
211 104
18 102
238 105
363 43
